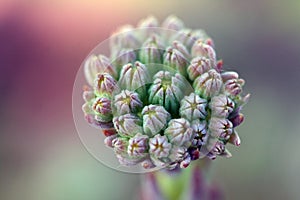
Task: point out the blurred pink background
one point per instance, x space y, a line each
42 45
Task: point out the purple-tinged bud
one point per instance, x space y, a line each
98 64
155 119
234 86
179 132
204 50
149 22
102 108
208 84
128 125
221 106
173 23
123 57
220 128
147 164
235 139
194 153
199 65
177 153
219 148
176 60
186 37
219 66
200 131
152 50
237 120
120 145
108 141
138 146
167 90
186 162
127 102
182 49
193 107
90 118
134 76
159 146
229 76
104 84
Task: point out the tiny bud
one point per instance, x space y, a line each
128 125
149 22
104 84
176 60
152 50
221 106
220 128
88 95
234 86
127 102
235 139
102 108
204 50
186 162
219 66
198 66
159 146
193 107
200 130
237 119
229 75
173 23
138 145
108 141
181 48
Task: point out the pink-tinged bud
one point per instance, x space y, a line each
186 162
194 153
102 108
149 22
229 76
98 64
198 66
127 102
109 132
159 146
152 50
128 125
210 42
219 66
90 118
193 107
208 84
104 84
221 106
186 37
181 48
220 128
219 148
155 119
147 164
178 153
179 132
200 131
237 119
173 23
176 60
108 141
138 146
235 139
204 50
123 57
134 76
234 86
120 145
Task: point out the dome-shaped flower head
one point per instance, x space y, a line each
98 64
159 147
179 132
193 107
128 125
155 119
102 109
152 50
176 60
134 77
167 90
199 65
204 50
220 128
208 84
138 146
104 84
127 102
221 106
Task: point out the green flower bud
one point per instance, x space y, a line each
199 65
204 50
138 146
134 77
208 84
220 128
104 84
102 109
127 102
152 50
155 119
221 106
179 132
159 146
176 60
98 64
167 90
128 125
193 107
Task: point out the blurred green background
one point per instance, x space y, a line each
42 45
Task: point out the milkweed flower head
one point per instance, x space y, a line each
162 98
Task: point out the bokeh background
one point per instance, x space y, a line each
42 45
